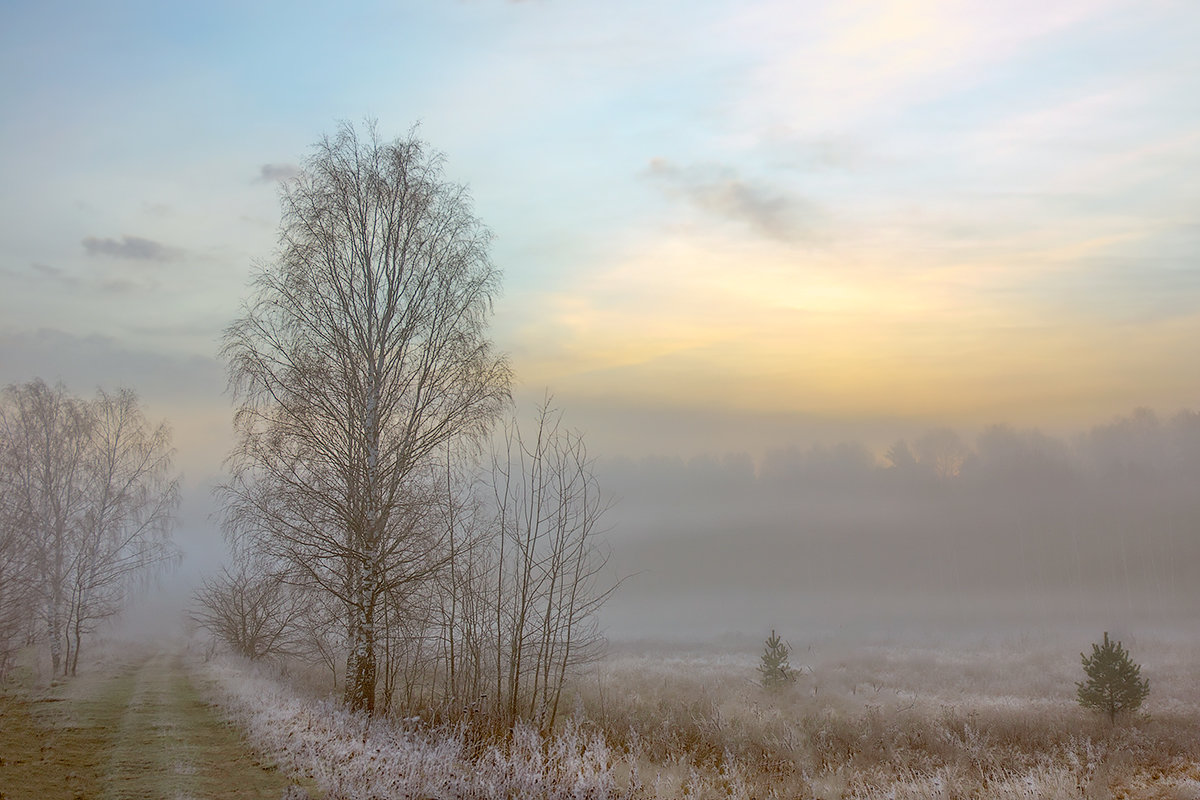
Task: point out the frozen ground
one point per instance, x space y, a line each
989 718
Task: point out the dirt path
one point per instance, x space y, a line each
135 728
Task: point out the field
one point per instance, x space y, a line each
988 718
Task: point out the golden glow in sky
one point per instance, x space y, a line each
692 323
958 211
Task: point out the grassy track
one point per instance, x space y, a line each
135 729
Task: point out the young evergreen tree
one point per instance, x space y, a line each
1114 682
774 669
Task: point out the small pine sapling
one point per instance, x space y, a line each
774 670
1114 682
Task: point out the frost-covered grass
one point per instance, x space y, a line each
355 758
987 721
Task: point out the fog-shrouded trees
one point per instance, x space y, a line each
516 606
548 565
132 494
511 613
16 587
361 356
89 497
253 610
366 390
45 436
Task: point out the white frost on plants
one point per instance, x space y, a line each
350 757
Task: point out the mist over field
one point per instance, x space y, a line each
1085 531
1035 532
1029 531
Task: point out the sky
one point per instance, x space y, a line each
723 226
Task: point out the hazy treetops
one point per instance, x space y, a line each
1094 526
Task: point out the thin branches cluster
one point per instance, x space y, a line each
366 530
87 504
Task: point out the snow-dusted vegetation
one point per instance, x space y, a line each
352 756
992 719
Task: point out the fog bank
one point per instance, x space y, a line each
1012 528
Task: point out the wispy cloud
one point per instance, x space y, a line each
272 173
55 274
786 149
722 192
96 359
861 62
134 248
119 286
88 283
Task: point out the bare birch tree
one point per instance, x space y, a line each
548 566
361 352
90 497
131 495
46 435
519 606
466 595
512 612
17 605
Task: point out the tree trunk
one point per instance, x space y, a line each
56 637
361 663
78 634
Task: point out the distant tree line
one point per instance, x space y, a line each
1103 518
1141 446
87 503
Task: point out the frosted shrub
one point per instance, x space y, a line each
356 759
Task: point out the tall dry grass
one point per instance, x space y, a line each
983 719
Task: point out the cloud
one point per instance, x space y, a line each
859 63
722 192
134 248
56 274
107 283
270 173
119 286
90 360
786 149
